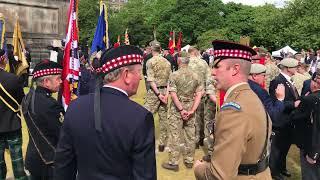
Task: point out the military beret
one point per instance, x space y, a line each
46 68
257 69
230 50
155 43
289 62
116 58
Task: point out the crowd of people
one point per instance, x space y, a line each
246 108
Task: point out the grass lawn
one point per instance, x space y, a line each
184 174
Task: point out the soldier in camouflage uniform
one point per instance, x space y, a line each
209 117
183 84
272 70
158 72
301 75
201 68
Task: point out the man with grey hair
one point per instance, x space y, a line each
118 133
185 89
282 136
44 117
242 128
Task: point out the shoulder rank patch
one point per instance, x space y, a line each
231 105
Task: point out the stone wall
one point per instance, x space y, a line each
41 22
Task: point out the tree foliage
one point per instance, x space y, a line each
202 21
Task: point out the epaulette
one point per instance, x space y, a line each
231 105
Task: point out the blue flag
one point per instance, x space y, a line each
98 42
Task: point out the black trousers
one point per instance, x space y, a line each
281 142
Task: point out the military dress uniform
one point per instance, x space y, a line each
158 71
201 68
11 94
106 135
185 83
44 117
242 129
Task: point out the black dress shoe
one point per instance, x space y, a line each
286 173
161 148
201 142
197 146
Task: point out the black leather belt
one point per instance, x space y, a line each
253 169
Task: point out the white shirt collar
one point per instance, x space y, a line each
288 78
116 88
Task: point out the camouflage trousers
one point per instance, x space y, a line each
199 115
12 141
154 105
209 119
181 131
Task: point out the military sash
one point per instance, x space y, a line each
9 101
43 146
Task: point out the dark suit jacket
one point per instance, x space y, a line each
307 130
9 120
124 150
310 59
284 118
273 107
306 87
44 126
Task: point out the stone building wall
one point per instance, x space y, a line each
41 21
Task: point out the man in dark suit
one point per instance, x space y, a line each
307 130
282 129
106 135
310 57
44 117
11 94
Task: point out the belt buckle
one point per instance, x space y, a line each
248 172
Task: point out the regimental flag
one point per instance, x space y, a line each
71 63
18 50
179 43
101 39
126 38
3 44
172 43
